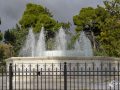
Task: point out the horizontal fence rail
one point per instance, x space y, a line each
60 76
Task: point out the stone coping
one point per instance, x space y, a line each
63 58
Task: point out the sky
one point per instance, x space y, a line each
63 10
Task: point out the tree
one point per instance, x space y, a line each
1 54
109 37
0 21
9 37
110 29
1 35
1 50
113 7
15 37
36 16
6 51
89 20
104 28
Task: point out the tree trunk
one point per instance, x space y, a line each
93 39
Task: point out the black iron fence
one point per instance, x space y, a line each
62 76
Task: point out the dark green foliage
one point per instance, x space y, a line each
109 37
9 37
6 51
1 35
20 40
16 37
31 15
37 16
113 7
0 21
34 16
102 25
1 54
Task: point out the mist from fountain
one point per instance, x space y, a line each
85 45
29 47
82 47
61 42
41 48
77 45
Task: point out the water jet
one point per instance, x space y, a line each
82 47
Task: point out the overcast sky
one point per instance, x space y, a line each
63 10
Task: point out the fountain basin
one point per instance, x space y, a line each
67 53
26 61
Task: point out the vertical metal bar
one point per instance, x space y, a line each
82 78
106 78
19 77
101 76
85 75
60 76
22 77
37 77
15 76
6 75
41 78
2 78
97 78
65 76
33 79
49 78
30 76
118 75
89 79
52 76
26 78
74 78
110 73
114 77
70 76
10 77
78 76
45 76
56 78
93 75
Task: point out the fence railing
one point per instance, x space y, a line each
61 76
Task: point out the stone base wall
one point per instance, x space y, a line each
33 61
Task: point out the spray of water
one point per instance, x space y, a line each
61 42
77 45
85 45
82 46
40 49
29 47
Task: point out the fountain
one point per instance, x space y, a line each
82 47
29 47
61 42
34 52
40 49
85 45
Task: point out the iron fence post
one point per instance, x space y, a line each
10 76
65 76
